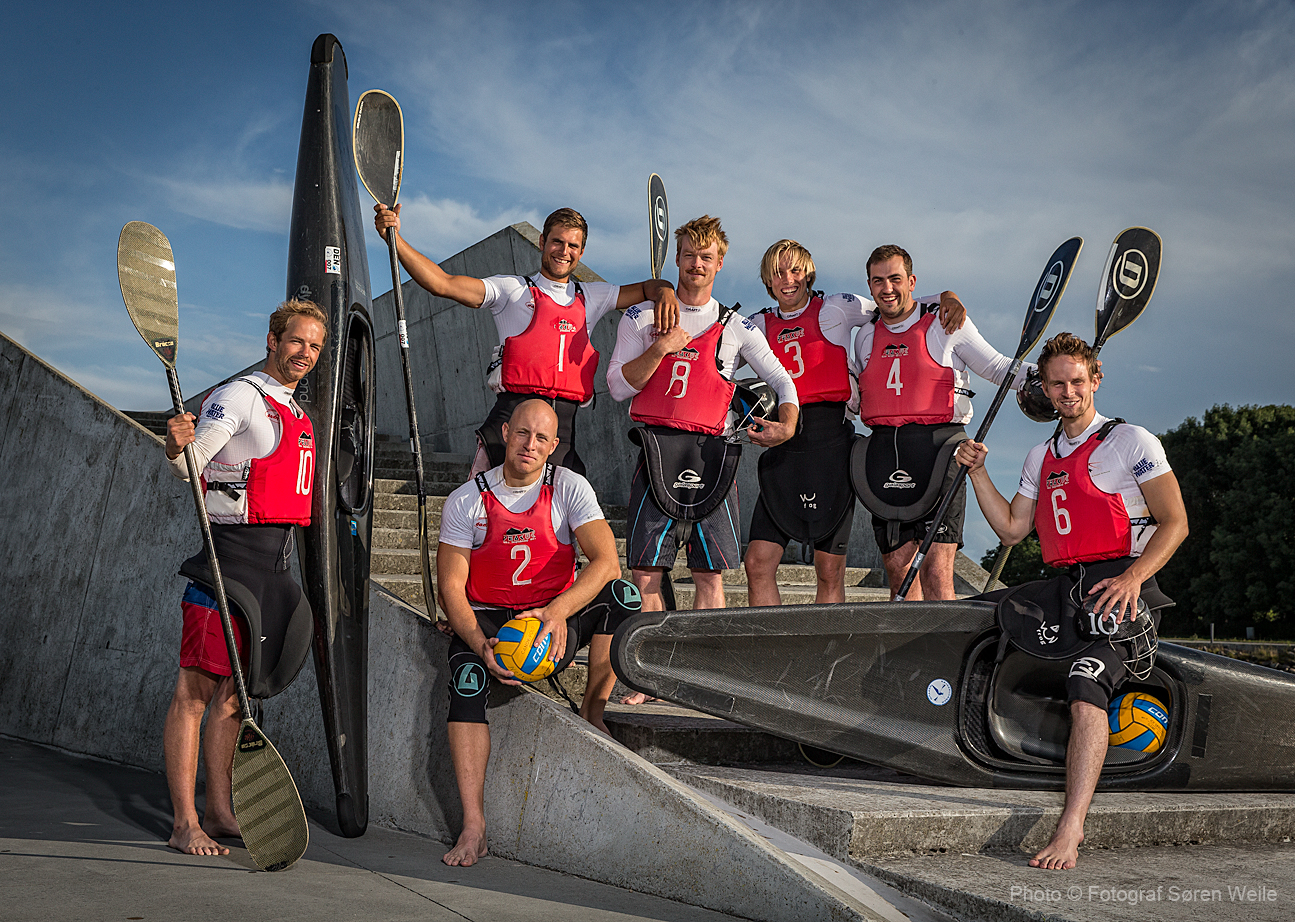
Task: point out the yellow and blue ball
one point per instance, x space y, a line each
1138 722
516 650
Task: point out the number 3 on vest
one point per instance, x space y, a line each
793 349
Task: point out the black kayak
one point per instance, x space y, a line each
327 264
919 687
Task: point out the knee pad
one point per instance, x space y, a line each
469 688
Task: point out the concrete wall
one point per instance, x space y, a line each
449 349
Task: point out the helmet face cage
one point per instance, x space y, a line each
752 398
1138 632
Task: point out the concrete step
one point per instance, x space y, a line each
857 813
152 420
665 733
735 595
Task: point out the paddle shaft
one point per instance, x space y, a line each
958 478
415 443
218 582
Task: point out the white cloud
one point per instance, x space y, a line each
246 203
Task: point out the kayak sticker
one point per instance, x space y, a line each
939 692
332 260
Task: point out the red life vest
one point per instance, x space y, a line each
277 486
902 383
687 390
815 363
1076 520
521 564
553 357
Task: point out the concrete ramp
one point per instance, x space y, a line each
92 529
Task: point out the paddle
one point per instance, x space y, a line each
266 803
658 245
1047 294
658 223
379 142
1128 282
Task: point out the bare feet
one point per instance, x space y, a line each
466 851
636 698
222 828
194 841
1062 853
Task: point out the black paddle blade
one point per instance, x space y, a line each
266 803
658 223
379 142
1128 281
1047 294
146 273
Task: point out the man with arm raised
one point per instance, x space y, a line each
804 482
544 322
681 385
1106 504
914 395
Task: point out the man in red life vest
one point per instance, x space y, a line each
805 490
1106 504
255 447
682 387
506 551
544 321
914 395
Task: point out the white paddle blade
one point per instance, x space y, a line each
379 142
146 273
266 803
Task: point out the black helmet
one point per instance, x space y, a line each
1138 630
1033 402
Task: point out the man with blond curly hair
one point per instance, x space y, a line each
681 384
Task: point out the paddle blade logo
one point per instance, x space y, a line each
250 741
1049 285
1129 274
165 349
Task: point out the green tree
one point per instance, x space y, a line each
1236 569
1024 563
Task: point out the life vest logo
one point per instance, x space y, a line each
565 326
688 480
688 353
790 334
899 480
1129 274
1056 480
271 413
304 440
894 351
519 535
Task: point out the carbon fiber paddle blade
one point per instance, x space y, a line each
1047 294
424 550
266 803
1128 281
146 273
658 223
379 141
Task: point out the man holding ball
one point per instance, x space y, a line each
1106 504
506 551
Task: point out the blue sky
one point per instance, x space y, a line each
979 135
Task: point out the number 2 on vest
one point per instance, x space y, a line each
892 382
524 552
1059 515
